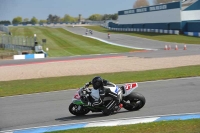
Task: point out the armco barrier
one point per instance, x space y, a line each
29 56
144 30
192 34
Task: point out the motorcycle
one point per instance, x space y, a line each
129 99
108 36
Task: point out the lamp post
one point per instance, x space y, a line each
35 37
35 40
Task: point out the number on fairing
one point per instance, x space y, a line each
129 86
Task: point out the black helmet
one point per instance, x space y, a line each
97 82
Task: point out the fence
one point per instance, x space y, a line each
16 43
4 29
8 54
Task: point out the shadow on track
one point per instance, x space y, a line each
88 116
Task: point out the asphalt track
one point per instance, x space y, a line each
163 97
132 41
126 40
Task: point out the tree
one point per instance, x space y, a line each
163 1
106 17
53 18
26 20
110 16
5 22
114 16
95 17
34 20
68 18
56 19
76 19
42 21
140 3
49 19
17 20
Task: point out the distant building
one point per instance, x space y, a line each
181 16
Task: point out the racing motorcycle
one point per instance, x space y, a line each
129 99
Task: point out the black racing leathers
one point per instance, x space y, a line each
106 92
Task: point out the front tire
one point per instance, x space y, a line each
73 109
134 101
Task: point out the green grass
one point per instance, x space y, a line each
17 87
1 33
155 36
63 43
177 126
4 53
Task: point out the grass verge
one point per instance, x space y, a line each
177 126
4 51
155 36
7 54
9 88
63 43
2 33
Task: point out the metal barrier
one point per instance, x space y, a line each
4 29
16 43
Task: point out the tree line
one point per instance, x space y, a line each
5 22
57 19
143 3
67 18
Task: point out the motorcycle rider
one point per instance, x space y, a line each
100 84
91 32
108 35
86 32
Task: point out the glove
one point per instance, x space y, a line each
83 90
87 85
86 101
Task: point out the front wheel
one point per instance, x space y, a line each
78 110
134 101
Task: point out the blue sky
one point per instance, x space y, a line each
42 8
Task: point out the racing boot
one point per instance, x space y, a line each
118 107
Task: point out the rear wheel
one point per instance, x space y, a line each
134 101
78 110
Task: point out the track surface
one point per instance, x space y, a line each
163 97
126 40
133 41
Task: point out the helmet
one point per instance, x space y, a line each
97 82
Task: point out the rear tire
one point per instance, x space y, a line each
73 109
134 101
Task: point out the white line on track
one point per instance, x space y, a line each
143 117
110 42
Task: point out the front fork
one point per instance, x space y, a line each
122 98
